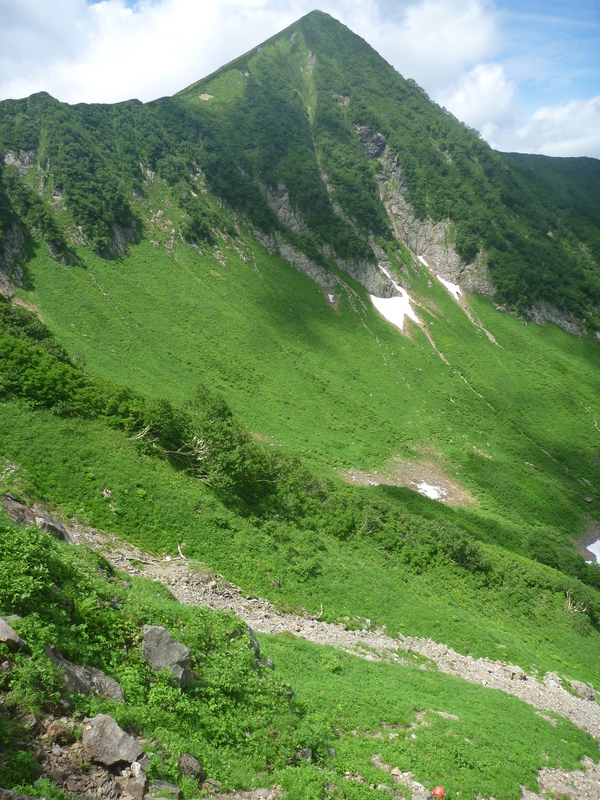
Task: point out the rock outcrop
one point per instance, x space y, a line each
121 238
12 257
426 238
162 651
85 680
279 201
542 312
106 743
373 143
23 515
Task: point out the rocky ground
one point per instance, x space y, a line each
198 587
193 585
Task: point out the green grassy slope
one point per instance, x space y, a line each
320 383
317 381
283 114
246 724
98 390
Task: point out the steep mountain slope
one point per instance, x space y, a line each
306 135
167 376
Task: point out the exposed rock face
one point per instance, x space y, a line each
85 680
24 161
121 239
303 264
106 743
279 201
12 256
542 312
162 651
23 515
373 143
10 638
368 275
427 238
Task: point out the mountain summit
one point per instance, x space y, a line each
330 153
199 379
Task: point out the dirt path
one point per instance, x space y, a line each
197 587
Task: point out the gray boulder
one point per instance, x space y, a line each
164 789
191 767
32 516
85 680
11 638
52 526
162 651
135 785
584 691
105 743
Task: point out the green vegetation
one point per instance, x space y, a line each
221 399
268 518
282 115
73 600
242 722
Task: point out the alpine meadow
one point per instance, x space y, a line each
299 386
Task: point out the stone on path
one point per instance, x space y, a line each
191 767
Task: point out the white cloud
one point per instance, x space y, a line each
111 51
438 39
483 98
569 129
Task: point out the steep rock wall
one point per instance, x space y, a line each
426 238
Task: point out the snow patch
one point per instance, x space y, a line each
453 288
595 549
430 491
425 264
331 298
394 309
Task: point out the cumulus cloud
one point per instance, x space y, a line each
436 40
113 50
568 129
483 98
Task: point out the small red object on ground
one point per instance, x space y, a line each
438 791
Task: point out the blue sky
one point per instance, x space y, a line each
553 49
525 74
